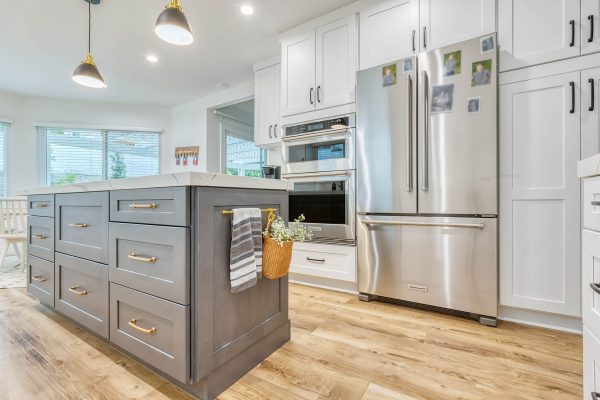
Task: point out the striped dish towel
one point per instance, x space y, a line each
246 249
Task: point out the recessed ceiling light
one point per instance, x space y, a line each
247 10
152 58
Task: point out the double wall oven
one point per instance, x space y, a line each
319 158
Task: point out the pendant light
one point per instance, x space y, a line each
87 73
172 26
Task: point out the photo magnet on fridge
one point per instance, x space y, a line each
407 65
487 43
442 97
390 75
482 73
473 104
452 63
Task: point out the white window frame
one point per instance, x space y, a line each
43 147
7 159
237 129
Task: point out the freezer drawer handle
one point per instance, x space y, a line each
434 224
409 145
595 395
595 287
321 260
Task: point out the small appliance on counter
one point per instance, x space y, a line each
271 172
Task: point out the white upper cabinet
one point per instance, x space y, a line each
590 39
445 22
388 32
318 68
336 61
266 106
537 31
298 74
540 194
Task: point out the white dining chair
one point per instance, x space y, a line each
13 227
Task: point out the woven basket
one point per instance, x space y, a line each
276 258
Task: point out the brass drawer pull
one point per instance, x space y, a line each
78 292
39 205
151 205
135 257
41 237
39 278
133 324
78 225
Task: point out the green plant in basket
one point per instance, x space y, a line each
294 232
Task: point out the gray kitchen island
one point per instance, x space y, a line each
144 263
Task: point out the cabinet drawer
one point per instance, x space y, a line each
152 259
591 204
40 237
81 292
41 205
591 364
40 279
158 206
153 329
325 261
82 225
590 271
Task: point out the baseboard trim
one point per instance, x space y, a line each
541 319
323 283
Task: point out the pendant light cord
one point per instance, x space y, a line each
90 26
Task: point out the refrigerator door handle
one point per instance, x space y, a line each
425 224
425 154
409 136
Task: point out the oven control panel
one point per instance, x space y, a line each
313 127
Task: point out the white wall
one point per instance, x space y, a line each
26 113
189 125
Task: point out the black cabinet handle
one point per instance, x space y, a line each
413 40
592 96
311 95
270 127
424 37
595 287
275 130
591 19
572 110
595 395
318 94
572 22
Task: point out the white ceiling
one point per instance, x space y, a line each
42 41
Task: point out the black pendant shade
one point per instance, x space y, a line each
172 25
87 73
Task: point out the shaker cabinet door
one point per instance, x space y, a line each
388 32
590 128
298 74
537 31
446 22
266 106
590 39
540 195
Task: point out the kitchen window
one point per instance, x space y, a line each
4 131
87 155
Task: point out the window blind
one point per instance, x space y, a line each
78 155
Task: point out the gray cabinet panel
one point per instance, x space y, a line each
153 329
157 206
81 292
152 259
41 205
40 237
82 225
40 279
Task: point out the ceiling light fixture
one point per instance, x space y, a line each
87 73
152 58
172 26
247 10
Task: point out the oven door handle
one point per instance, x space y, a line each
335 133
341 174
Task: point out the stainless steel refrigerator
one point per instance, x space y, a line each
427 179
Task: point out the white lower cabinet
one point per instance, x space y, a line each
540 194
324 261
591 366
590 268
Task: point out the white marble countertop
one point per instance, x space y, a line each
589 167
166 180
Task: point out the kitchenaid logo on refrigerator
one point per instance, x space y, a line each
418 288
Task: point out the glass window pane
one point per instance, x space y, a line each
132 154
243 158
73 156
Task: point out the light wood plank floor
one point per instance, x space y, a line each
340 349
